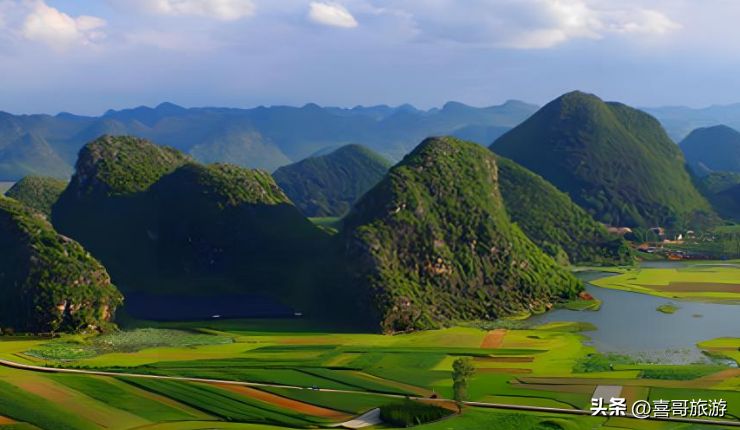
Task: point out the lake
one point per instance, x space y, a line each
628 323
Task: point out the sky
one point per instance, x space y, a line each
87 56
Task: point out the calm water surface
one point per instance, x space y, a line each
629 323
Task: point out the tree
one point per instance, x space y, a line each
462 371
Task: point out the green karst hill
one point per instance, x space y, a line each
164 224
556 224
49 282
722 189
122 165
727 202
328 185
614 161
38 192
228 220
713 149
106 207
432 243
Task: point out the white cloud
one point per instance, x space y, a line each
331 14
224 10
532 24
45 24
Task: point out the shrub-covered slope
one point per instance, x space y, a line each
49 282
328 185
613 160
722 189
37 192
713 149
551 220
105 206
164 224
432 244
225 220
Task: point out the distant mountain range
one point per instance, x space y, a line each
713 149
262 137
271 137
679 121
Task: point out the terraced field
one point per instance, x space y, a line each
533 367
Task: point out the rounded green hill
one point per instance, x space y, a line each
432 244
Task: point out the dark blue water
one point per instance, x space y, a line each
629 323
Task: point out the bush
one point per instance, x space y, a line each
600 363
410 413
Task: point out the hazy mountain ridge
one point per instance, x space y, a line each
712 149
679 121
261 137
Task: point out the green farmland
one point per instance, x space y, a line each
696 281
320 378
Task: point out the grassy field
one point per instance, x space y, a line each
697 281
547 365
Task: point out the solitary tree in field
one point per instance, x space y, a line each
462 371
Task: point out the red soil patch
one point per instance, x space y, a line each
494 339
449 405
6 420
583 295
722 375
504 359
284 402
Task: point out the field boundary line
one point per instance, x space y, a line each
526 408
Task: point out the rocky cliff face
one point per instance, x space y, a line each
432 244
49 282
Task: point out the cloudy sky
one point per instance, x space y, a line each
86 56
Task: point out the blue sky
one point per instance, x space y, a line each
85 56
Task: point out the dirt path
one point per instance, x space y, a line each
494 339
284 402
6 421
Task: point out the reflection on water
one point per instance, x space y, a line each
629 323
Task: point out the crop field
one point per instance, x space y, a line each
705 282
322 378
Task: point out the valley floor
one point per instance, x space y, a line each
344 375
299 375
